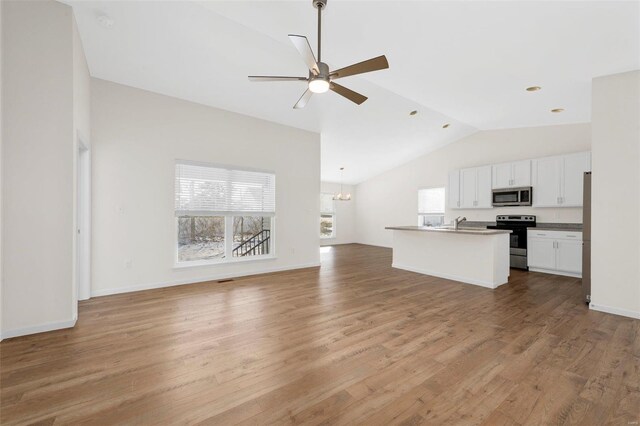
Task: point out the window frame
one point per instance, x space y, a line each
422 215
328 213
228 226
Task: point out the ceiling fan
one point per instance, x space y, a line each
320 78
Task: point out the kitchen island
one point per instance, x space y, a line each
473 256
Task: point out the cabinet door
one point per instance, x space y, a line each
501 175
546 182
454 189
573 168
468 188
569 256
483 185
541 253
521 173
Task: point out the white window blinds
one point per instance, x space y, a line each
431 201
203 190
327 204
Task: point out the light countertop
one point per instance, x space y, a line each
446 230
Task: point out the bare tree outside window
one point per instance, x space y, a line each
200 237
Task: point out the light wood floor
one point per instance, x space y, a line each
352 342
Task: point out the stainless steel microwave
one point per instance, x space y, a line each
511 197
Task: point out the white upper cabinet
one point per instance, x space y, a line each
475 187
507 175
521 173
557 181
546 182
483 185
501 175
468 183
454 190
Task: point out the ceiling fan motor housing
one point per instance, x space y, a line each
319 4
323 72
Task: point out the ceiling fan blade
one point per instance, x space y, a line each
348 93
369 65
304 48
275 78
303 99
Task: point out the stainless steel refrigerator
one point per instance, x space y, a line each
586 238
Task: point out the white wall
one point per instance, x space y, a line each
37 184
137 136
345 216
615 241
392 197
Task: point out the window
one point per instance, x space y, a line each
327 216
431 206
222 213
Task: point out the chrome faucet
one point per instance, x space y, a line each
457 221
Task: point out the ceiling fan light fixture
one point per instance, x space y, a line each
319 85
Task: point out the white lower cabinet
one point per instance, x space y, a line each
555 252
541 253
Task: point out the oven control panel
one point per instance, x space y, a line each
515 218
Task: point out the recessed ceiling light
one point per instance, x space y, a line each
446 125
414 112
105 21
533 88
557 110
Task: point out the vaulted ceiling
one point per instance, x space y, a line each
466 63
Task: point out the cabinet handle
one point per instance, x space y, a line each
558 200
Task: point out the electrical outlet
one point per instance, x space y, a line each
127 264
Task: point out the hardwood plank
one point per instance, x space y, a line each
351 342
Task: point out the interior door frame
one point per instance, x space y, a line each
83 221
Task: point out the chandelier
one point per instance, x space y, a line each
341 196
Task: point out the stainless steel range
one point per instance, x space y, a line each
518 224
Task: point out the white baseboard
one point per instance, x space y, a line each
615 311
465 280
41 328
151 286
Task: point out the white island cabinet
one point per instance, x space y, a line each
472 256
